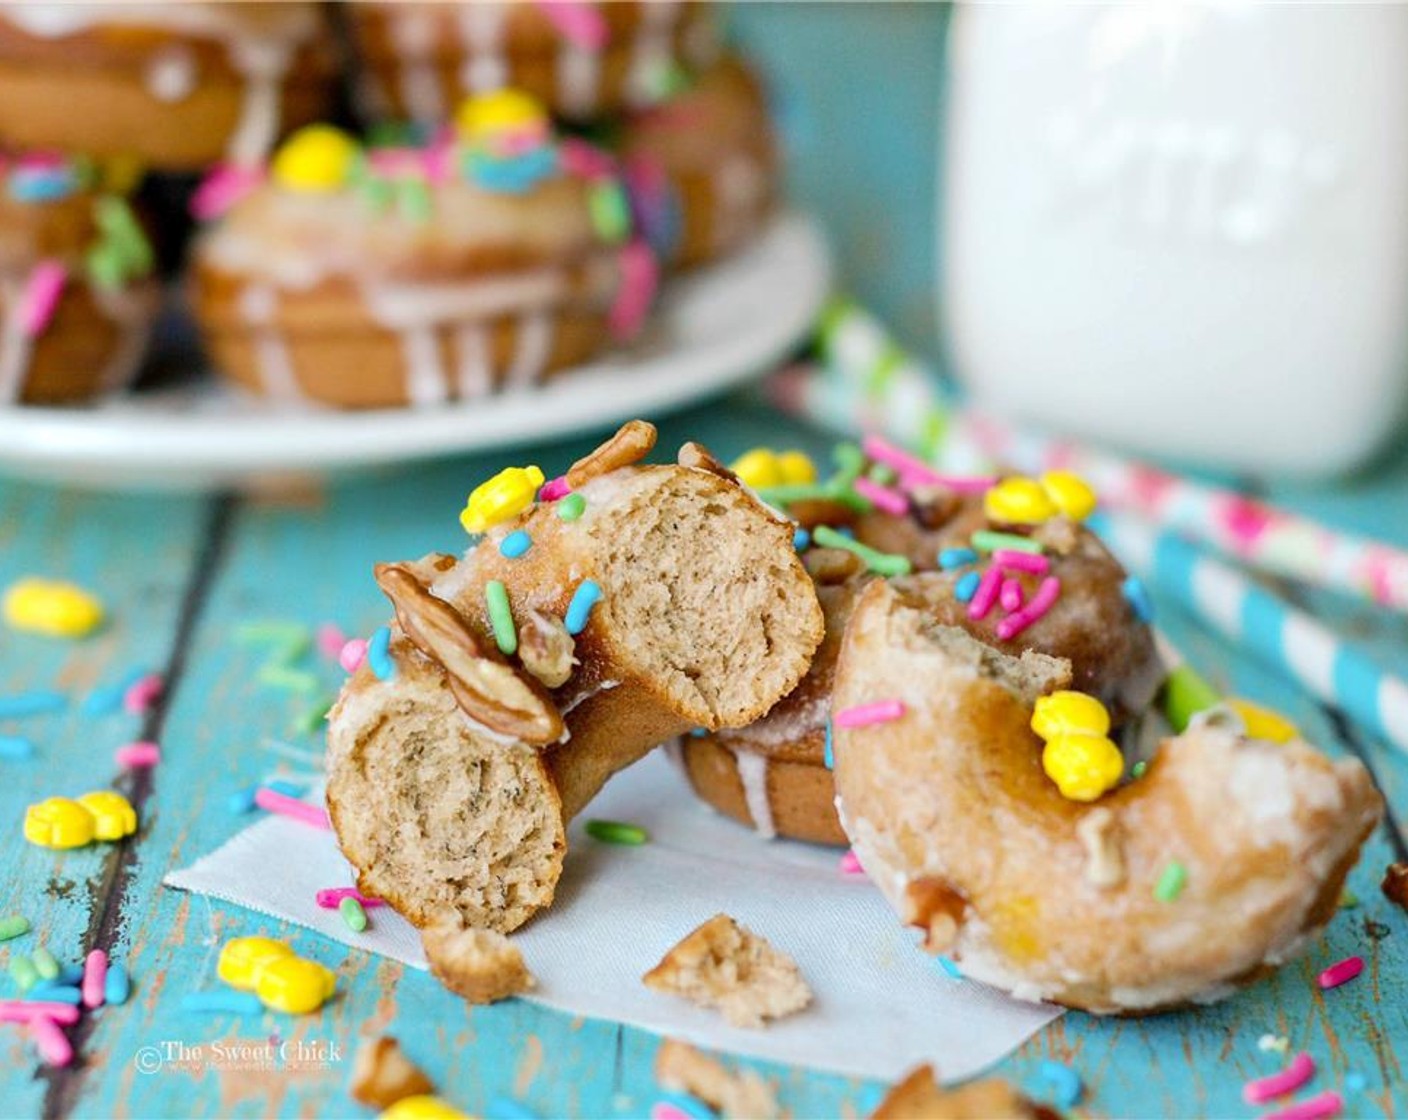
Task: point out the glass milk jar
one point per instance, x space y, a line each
1182 228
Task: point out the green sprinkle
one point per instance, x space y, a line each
1137 770
314 718
501 617
610 213
884 475
617 832
1171 882
44 963
23 973
1349 900
883 563
985 540
278 675
813 492
1186 694
294 637
850 462
16 925
570 508
104 266
413 201
353 914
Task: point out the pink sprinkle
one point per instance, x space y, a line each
1011 560
137 756
142 695
440 160
882 497
554 490
577 22
986 595
22 1011
95 975
1011 595
276 802
639 278
915 473
1341 972
1316 1108
353 654
330 640
1036 607
1301 1070
53 1044
396 163
863 715
584 160
40 297
664 1110
330 897
222 189
850 863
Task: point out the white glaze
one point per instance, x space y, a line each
476 372
258 304
482 33
412 32
172 75
653 49
131 309
740 188
535 333
753 773
426 381
578 77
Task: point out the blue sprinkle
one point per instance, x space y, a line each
580 608
32 704
951 558
690 1106
242 801
240 1003
106 699
379 655
515 544
1064 1081
801 539
951 970
288 789
1137 595
118 985
59 993
506 1108
699 733
1355 1082
967 586
15 748
846 531
829 756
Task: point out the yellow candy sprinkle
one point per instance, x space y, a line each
1082 766
243 960
58 823
315 160
796 467
1018 501
113 815
484 116
758 468
1069 713
423 1108
1071 494
43 606
506 495
1263 722
295 985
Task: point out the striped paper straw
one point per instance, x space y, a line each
1331 669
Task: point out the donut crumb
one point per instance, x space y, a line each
740 1094
383 1075
480 965
918 1096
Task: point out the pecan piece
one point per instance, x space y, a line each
933 906
488 690
546 649
699 457
630 444
383 1075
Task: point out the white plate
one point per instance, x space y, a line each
714 330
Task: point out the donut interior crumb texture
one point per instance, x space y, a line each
918 1096
699 592
383 1075
480 965
723 965
736 1094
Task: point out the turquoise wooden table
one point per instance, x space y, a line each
182 575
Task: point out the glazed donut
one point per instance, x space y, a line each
703 167
1120 905
175 86
77 297
450 783
588 63
411 276
773 774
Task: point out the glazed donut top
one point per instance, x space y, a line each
245 23
723 110
498 192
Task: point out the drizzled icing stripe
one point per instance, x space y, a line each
753 773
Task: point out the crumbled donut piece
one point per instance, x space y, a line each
383 1075
721 964
918 1096
481 965
740 1094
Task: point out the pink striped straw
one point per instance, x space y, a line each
986 594
95 976
329 898
863 715
143 694
22 1011
1341 972
1014 561
276 802
1011 596
1036 607
137 756
41 297
1316 1108
1300 1070
916 473
54 1046
882 497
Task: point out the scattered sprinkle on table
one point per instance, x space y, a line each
38 703
850 863
353 916
53 1045
951 970
141 755
16 748
1065 1083
52 607
617 832
275 802
579 610
571 507
15 925
882 563
501 617
118 985
23 972
139 697
274 674
1274 1042
506 1108
95 976
1298 1071
1341 972
238 1003
379 657
516 544
22 1011
1315 1108
1171 882
108 698
864 715
330 898
44 963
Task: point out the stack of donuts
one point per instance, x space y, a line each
395 204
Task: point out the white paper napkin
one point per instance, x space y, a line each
881 1007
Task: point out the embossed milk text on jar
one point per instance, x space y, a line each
1182 228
